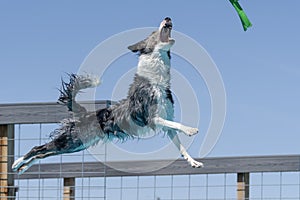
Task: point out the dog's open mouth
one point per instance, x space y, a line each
165 32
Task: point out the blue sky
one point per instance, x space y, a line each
40 41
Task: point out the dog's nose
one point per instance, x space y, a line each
168 19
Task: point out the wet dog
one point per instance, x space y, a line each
148 107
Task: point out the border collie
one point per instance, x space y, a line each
148 107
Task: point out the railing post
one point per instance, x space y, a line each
7 189
243 180
69 189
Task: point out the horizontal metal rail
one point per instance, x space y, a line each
35 113
221 165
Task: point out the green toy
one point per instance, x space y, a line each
245 21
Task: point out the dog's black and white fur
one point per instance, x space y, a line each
148 107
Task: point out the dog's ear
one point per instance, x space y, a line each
147 45
140 46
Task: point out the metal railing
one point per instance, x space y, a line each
256 177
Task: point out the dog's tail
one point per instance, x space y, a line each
69 90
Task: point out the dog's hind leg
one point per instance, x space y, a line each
65 143
175 139
25 162
177 126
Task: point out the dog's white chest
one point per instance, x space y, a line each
156 68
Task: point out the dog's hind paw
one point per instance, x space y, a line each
18 163
21 165
189 130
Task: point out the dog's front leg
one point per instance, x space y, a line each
175 139
174 125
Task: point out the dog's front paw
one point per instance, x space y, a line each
189 130
196 164
191 161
